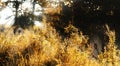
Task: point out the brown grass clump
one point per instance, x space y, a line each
29 48
43 48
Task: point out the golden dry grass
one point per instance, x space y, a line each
44 47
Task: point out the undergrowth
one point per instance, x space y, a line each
45 47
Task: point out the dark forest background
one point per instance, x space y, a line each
90 16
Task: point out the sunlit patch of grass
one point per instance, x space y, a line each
46 47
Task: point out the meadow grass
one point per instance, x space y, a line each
45 47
